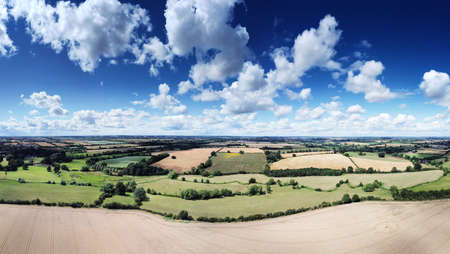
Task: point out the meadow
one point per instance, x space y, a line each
123 162
235 162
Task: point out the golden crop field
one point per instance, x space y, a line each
332 161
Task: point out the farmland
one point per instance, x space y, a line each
236 162
382 165
333 161
185 160
123 162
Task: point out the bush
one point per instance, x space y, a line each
115 205
84 169
174 157
140 195
21 180
63 182
346 199
355 198
255 190
65 168
183 215
173 175
271 182
183 178
251 180
120 188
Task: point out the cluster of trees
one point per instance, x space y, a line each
272 157
37 201
13 163
144 167
58 157
192 194
405 194
304 172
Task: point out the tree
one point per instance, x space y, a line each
64 167
255 190
120 188
271 181
25 167
213 153
140 195
268 188
355 198
84 169
251 180
184 215
173 175
381 155
241 152
131 186
49 169
346 199
417 166
108 190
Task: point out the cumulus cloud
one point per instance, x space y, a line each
365 44
312 48
366 82
436 86
306 113
204 27
304 94
42 100
282 110
7 47
90 31
166 102
356 109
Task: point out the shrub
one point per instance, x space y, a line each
207 181
73 182
173 175
346 199
120 188
270 181
174 157
217 173
255 190
84 169
108 190
64 167
355 198
140 195
63 182
21 180
184 215
195 180
183 178
241 152
251 180
116 205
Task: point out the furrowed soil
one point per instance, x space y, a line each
368 227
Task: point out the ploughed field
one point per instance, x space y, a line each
368 227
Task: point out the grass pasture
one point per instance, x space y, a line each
76 164
442 184
332 161
235 162
123 162
281 199
47 192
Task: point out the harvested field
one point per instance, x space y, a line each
185 159
245 149
97 147
289 155
374 227
44 144
332 161
382 165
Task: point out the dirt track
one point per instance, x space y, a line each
370 227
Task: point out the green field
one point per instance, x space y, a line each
12 190
76 164
102 142
441 184
123 162
233 163
400 180
126 200
281 199
374 156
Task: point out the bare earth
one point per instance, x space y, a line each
185 159
369 227
333 161
381 164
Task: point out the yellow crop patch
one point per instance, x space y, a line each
229 155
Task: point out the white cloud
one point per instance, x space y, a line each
402 106
282 110
166 102
331 86
7 47
436 86
306 113
205 26
403 119
185 86
206 95
33 112
312 48
42 100
304 94
90 31
154 51
366 82
356 109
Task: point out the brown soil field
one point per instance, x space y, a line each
333 161
97 147
245 149
44 144
186 159
60 144
289 155
382 165
368 227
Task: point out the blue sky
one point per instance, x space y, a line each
230 67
